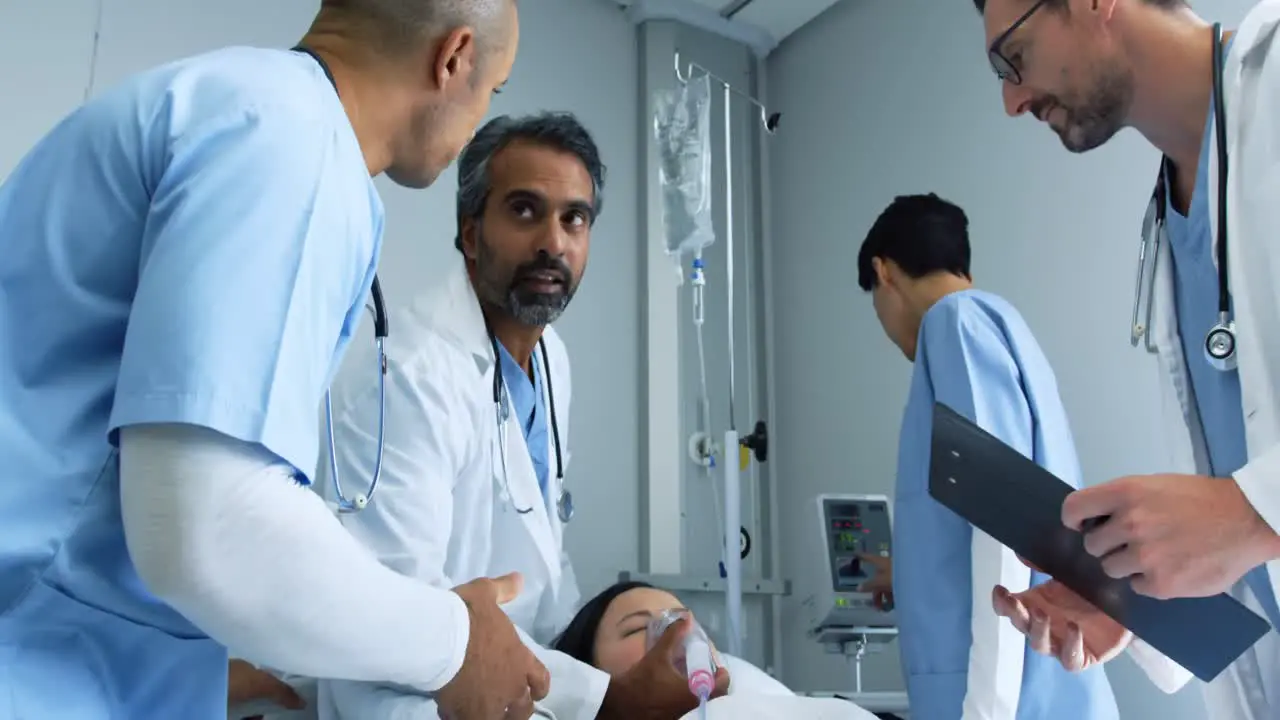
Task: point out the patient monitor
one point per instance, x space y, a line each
850 624
853 525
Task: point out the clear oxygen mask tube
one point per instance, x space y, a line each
696 659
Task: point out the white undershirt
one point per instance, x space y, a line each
219 529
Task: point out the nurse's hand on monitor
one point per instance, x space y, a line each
881 583
1060 623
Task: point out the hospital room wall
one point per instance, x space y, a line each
887 98
573 55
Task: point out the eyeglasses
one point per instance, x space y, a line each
1004 68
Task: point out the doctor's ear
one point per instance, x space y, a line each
454 58
468 239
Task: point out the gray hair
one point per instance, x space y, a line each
559 130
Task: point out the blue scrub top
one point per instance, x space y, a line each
976 355
527 399
1217 393
193 246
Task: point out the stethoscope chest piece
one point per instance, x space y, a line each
564 506
1220 346
1220 341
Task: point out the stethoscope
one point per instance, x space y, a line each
361 500
1220 341
502 410
564 503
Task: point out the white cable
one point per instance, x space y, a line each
699 281
707 470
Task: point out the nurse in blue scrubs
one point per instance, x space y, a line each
973 352
186 257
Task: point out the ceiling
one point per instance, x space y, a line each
779 18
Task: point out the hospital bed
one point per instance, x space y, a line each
756 696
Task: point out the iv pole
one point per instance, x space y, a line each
732 478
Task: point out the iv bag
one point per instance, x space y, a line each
682 127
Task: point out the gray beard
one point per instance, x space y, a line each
540 311
532 311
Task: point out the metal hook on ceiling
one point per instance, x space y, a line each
685 76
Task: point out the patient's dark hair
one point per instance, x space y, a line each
578 640
923 234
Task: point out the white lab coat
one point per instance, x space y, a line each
439 513
1251 80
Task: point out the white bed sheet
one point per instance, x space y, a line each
750 706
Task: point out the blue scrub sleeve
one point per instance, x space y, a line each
243 286
972 371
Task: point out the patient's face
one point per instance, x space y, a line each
620 636
891 307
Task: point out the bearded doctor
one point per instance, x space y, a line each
1207 98
475 474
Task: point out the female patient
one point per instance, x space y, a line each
609 631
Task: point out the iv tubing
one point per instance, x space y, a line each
704 405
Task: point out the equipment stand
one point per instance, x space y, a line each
853 643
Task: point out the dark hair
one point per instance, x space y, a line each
578 640
402 25
1167 4
922 234
559 130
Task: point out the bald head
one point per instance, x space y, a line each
395 27
416 76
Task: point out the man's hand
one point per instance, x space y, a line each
881 583
653 689
1061 624
500 678
246 683
1174 535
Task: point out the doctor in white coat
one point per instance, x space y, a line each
1089 68
475 476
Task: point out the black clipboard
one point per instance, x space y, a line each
1017 502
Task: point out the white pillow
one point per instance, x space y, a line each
745 678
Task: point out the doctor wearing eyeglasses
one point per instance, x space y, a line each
1208 308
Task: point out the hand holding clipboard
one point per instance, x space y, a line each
1019 504
1060 623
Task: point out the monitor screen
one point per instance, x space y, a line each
852 529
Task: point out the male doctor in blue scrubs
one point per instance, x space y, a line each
973 352
184 260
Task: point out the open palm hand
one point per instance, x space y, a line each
1061 624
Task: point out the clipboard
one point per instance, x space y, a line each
1017 502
